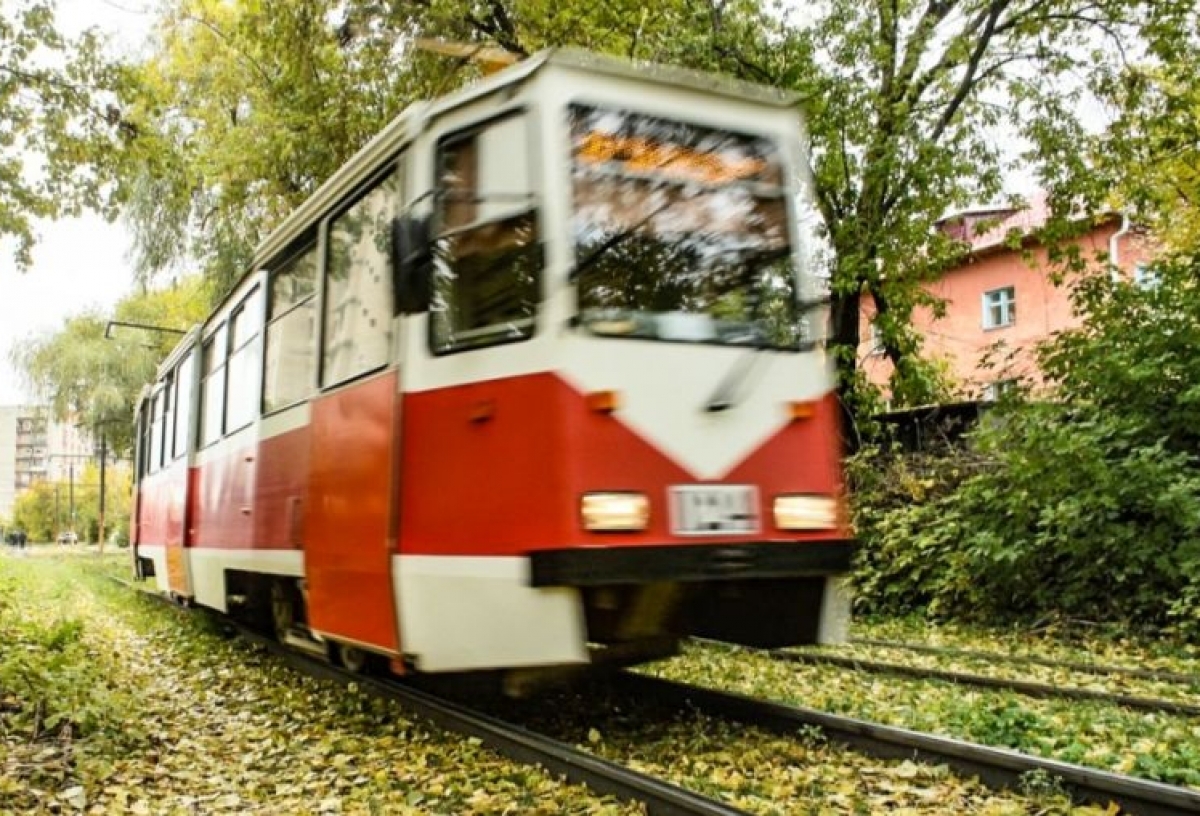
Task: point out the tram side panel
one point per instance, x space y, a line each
248 507
348 526
484 478
161 513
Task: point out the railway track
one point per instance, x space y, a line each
513 741
996 767
1026 687
1156 675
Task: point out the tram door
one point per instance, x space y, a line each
354 433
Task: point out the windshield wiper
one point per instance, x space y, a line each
617 239
725 396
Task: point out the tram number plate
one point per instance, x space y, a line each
713 509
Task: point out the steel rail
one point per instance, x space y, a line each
1085 668
513 741
996 767
1027 687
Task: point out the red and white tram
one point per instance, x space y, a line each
527 383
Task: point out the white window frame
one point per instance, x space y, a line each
1005 298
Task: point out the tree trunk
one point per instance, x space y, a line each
844 317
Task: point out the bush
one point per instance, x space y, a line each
1086 507
50 684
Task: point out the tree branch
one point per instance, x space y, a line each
969 79
223 37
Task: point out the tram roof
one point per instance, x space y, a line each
405 127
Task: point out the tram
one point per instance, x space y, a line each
533 381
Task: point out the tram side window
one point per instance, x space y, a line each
212 387
245 362
183 407
292 332
157 423
143 452
358 287
487 254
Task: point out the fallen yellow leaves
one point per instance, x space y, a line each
214 727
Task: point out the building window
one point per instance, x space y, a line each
877 347
1145 277
999 308
999 389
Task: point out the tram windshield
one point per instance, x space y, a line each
681 232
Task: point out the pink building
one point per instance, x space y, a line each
1001 302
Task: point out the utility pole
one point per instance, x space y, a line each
103 457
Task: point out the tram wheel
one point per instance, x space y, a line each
283 610
353 658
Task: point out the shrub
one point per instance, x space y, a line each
1087 506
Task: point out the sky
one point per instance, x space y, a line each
80 263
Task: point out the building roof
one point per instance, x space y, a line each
987 227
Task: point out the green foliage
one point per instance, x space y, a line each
93 380
1086 507
50 683
244 109
1151 153
34 512
61 130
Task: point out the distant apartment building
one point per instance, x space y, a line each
34 448
1001 301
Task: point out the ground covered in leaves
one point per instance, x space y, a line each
1158 746
114 704
767 773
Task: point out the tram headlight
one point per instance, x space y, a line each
799 512
613 512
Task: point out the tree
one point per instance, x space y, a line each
61 129
95 381
1152 151
118 500
33 512
245 109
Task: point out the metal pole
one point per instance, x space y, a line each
71 492
103 457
